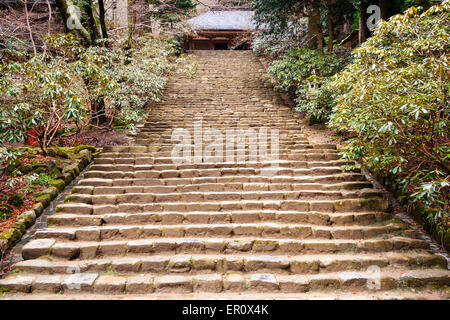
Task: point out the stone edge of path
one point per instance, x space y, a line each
28 222
20 230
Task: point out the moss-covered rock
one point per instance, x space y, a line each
55 173
30 151
59 184
81 147
45 199
27 168
12 166
68 177
29 217
37 164
85 154
38 208
20 225
12 236
39 170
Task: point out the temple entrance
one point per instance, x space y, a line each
220 46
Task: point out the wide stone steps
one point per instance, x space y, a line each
199 197
147 163
194 263
285 168
229 230
214 187
216 172
65 249
313 218
141 222
106 206
248 216
296 181
216 283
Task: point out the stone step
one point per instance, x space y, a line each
216 172
139 197
135 151
141 222
249 216
233 282
96 249
104 204
293 180
194 263
229 230
147 163
215 187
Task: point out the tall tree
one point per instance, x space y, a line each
92 24
101 15
130 23
363 29
330 26
316 34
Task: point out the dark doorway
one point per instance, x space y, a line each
220 46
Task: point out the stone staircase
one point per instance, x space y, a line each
139 225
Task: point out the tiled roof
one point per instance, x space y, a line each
224 20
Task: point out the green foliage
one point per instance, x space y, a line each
63 86
171 14
303 68
277 16
38 179
393 102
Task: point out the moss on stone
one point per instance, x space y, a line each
59 184
12 165
6 235
19 225
81 147
55 173
13 235
27 168
37 164
27 149
44 198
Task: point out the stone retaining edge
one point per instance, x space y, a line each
12 236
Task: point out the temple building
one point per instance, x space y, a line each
221 29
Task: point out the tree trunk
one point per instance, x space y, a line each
319 34
98 112
92 24
384 9
101 8
63 8
315 27
363 29
330 28
130 23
